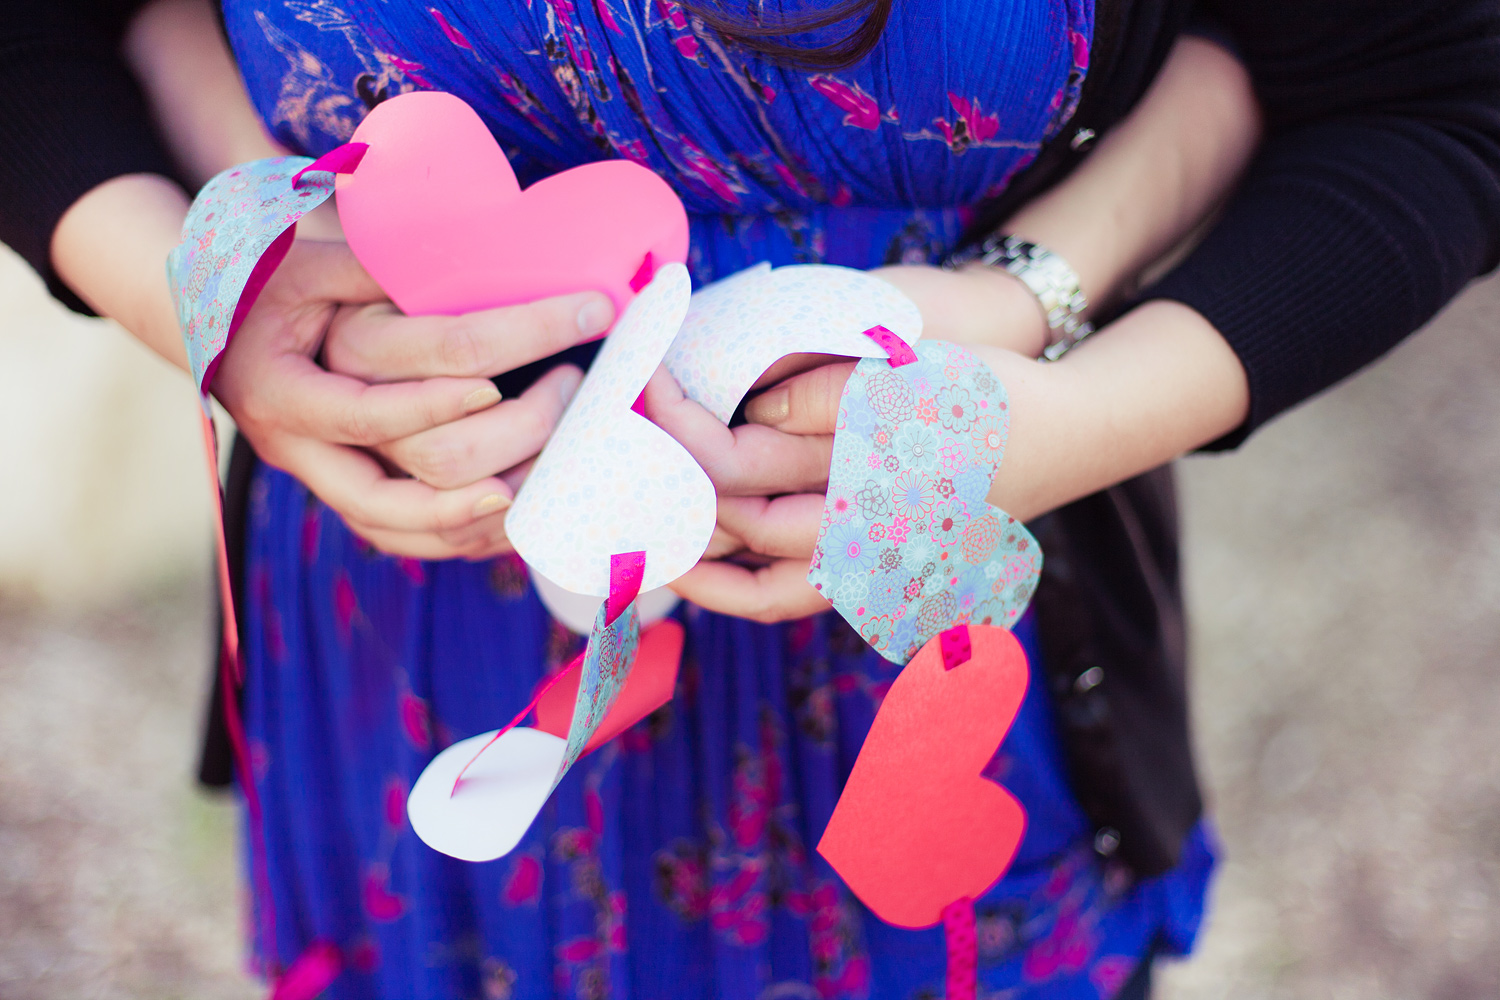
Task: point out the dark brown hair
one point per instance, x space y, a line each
769 39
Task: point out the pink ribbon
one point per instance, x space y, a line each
956 646
963 950
899 350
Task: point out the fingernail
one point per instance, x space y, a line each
771 407
482 398
491 503
567 386
596 315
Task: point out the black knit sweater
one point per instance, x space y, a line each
1374 199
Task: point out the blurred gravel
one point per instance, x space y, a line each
1344 577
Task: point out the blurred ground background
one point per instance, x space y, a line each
1344 577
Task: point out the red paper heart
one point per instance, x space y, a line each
649 687
434 213
917 826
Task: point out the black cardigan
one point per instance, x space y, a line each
1374 198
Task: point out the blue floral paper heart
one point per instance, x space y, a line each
909 545
238 217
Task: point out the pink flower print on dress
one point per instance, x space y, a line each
344 605
380 903
981 127
523 886
449 31
1066 949
863 111
607 17
395 803
411 70
416 721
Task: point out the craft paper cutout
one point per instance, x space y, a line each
237 231
909 545
577 611
738 327
917 826
648 687
436 216
476 799
611 481
501 793
962 939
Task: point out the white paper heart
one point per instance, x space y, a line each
610 481
738 327
486 817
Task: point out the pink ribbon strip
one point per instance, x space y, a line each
899 350
513 723
963 950
313 972
643 274
626 571
956 646
340 160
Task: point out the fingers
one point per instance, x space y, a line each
379 344
773 593
785 527
804 404
747 461
500 437
301 398
355 486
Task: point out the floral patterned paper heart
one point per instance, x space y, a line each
909 545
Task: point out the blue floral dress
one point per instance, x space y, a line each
678 861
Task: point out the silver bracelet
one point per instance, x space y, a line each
1050 279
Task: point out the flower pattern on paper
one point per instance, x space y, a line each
921 549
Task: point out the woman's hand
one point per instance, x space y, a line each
414 391
1156 383
975 304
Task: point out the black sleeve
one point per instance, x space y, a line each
1374 199
71 117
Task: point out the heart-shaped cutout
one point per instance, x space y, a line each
502 792
611 481
648 687
917 826
738 327
909 544
436 216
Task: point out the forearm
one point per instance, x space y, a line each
111 248
1155 176
1152 179
1156 383
176 50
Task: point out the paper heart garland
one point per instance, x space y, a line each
506 775
917 826
436 216
609 480
909 545
738 327
648 687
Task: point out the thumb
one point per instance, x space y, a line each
804 404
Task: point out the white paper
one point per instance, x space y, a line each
500 795
738 327
611 481
577 611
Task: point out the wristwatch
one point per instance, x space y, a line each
1050 279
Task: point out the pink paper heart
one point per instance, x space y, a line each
436 216
918 825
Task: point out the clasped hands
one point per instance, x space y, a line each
394 423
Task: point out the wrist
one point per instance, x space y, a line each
1009 314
